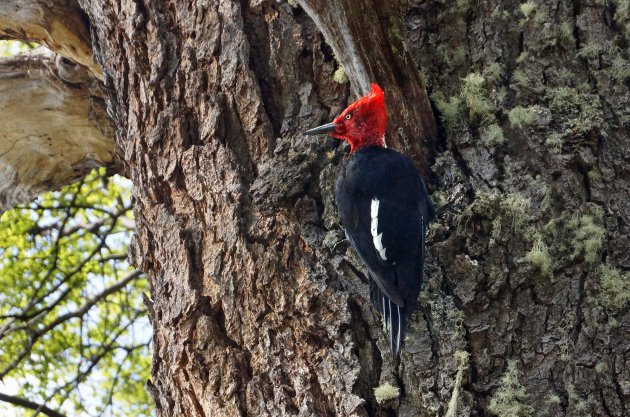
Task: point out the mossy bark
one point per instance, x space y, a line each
260 307
531 291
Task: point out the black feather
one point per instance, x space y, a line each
403 214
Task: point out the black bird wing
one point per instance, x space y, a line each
384 207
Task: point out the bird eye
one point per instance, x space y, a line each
348 116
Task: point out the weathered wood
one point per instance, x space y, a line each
58 24
54 130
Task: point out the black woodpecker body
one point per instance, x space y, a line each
385 210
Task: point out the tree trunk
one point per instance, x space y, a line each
259 306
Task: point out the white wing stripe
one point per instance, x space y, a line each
374 208
377 238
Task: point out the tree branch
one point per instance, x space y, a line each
30 405
60 25
92 227
58 130
93 362
35 335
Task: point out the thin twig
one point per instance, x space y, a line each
22 402
35 335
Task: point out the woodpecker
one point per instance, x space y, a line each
385 210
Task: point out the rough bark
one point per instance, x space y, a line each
260 308
567 64
55 127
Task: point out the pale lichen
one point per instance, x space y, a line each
615 289
590 50
509 400
588 237
449 109
523 56
554 142
622 14
578 113
580 405
619 69
463 5
522 78
492 73
475 96
601 367
527 8
517 208
462 358
522 116
554 399
386 392
539 256
340 76
513 209
565 344
565 34
491 135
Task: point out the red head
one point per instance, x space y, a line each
361 124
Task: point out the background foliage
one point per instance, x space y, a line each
8 48
73 330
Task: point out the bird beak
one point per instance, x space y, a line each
320 130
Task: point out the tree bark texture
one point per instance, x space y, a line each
260 308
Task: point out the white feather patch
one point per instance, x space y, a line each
374 208
377 237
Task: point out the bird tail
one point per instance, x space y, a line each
394 318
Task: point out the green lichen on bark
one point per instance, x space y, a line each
554 142
473 104
510 399
622 14
588 236
449 109
522 116
614 289
475 96
340 75
539 256
564 72
577 114
513 208
493 72
527 8
491 135
619 69
463 359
